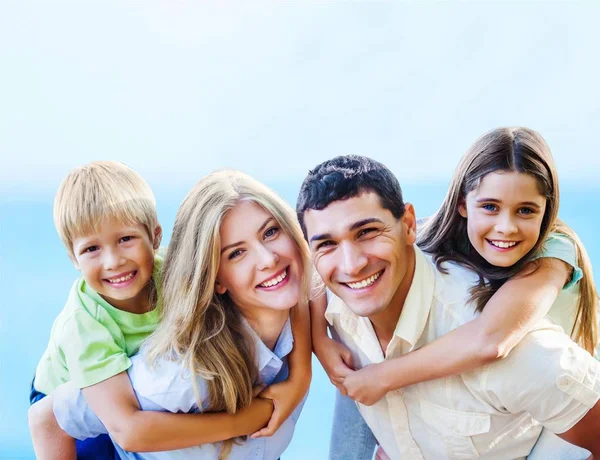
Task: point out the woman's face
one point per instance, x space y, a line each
260 265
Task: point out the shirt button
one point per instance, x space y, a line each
564 382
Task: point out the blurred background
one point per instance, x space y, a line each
178 89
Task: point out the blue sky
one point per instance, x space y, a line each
176 89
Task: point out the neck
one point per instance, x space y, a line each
267 323
385 322
138 304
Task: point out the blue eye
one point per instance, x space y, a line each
526 211
125 239
271 232
91 249
490 207
234 254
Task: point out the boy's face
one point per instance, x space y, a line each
362 252
117 262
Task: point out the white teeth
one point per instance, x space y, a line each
275 281
121 279
503 244
364 283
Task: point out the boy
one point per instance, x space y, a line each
105 214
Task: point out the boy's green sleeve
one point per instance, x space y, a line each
91 352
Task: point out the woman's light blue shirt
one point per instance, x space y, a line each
167 387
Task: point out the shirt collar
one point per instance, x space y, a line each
283 347
418 301
414 312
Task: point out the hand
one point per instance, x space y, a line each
380 454
286 396
336 359
254 416
365 385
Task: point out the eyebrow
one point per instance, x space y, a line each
260 229
354 226
494 200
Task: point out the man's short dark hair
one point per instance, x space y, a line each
345 177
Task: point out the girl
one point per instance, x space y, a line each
236 267
499 218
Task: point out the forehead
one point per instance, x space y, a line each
106 226
509 186
340 215
245 218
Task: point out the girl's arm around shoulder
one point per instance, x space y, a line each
116 405
507 317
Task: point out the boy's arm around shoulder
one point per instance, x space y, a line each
116 405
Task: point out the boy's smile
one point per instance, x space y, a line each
117 262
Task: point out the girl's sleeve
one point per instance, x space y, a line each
560 246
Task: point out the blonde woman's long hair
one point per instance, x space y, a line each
445 234
198 326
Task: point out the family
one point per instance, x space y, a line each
470 334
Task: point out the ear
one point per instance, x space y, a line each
462 208
219 288
410 221
157 237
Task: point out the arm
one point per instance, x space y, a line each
585 433
507 317
49 441
333 356
287 395
115 404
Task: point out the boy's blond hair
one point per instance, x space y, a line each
99 190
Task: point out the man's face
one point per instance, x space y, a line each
361 251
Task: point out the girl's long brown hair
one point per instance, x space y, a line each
445 234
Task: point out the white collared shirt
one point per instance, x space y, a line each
167 387
494 412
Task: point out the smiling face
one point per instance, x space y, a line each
504 216
117 262
363 253
260 265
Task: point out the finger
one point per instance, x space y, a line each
342 390
270 429
347 358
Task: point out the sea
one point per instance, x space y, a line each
36 275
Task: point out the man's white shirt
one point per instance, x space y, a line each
497 411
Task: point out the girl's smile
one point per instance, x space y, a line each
504 216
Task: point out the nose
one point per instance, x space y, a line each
353 259
266 257
112 259
506 224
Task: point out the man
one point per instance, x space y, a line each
391 300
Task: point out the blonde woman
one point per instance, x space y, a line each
236 269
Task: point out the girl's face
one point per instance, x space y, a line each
260 265
504 216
